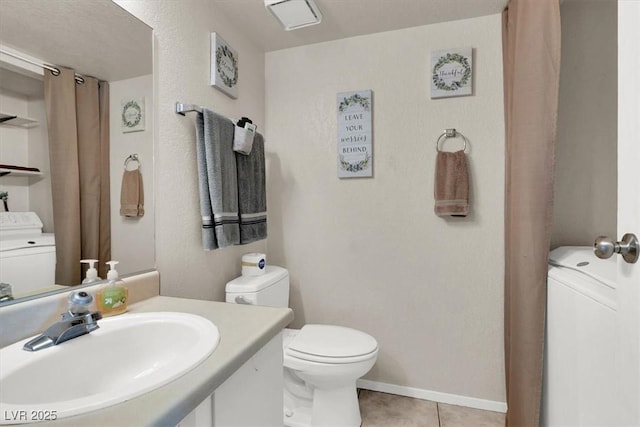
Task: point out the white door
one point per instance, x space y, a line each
629 208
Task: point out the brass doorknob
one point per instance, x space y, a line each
604 247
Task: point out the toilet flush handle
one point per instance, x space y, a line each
242 300
628 247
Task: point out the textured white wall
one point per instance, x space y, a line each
364 253
132 239
585 196
370 253
182 54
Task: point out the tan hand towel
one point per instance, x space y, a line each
451 190
132 194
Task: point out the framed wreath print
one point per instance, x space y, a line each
224 66
132 115
355 157
451 72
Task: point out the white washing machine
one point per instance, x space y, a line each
579 377
27 255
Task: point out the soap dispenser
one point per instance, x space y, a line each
112 299
92 273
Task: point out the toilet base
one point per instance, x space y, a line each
336 407
299 417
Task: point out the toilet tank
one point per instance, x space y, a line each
269 289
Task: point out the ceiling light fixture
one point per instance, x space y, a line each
294 14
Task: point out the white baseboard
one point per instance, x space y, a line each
435 396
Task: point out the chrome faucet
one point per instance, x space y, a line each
77 321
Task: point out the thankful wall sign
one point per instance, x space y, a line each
451 72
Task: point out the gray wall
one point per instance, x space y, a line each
366 253
370 253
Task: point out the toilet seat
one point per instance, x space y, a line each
331 344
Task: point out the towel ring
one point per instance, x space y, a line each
132 158
450 133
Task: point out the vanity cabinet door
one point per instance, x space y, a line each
202 416
253 395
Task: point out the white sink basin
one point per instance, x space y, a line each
127 356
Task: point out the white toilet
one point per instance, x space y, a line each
321 362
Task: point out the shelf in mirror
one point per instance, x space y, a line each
19 171
17 121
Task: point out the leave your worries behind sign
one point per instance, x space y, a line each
355 158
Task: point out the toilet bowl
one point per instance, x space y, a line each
321 362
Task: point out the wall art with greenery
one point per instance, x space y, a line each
451 72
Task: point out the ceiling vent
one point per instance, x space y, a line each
294 14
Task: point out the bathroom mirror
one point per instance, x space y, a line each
95 38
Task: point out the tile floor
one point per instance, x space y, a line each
389 410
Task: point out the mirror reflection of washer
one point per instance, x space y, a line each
27 255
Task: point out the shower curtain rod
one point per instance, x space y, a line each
54 70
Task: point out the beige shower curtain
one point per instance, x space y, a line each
531 47
78 126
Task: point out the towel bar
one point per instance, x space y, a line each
187 108
450 133
183 109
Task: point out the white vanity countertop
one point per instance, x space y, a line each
243 331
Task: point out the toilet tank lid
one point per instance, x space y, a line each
245 284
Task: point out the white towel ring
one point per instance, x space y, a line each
450 133
132 158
